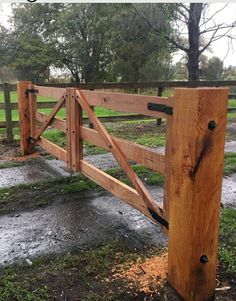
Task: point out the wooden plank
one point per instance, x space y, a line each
74 121
195 169
23 102
52 148
50 117
137 153
118 154
32 111
129 103
8 116
117 188
52 92
57 123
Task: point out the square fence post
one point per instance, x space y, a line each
8 114
194 170
27 147
74 119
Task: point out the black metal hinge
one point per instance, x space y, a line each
160 108
159 219
34 91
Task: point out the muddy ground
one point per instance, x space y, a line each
82 220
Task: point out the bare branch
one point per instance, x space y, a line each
169 39
219 26
218 11
215 38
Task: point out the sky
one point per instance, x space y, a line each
220 48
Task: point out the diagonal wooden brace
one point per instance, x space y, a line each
119 156
50 117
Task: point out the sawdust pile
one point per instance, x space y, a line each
21 158
146 276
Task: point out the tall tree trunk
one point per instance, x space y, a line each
193 53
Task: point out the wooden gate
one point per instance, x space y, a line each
192 166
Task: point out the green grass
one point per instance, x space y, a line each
30 196
230 163
227 249
48 279
11 164
90 270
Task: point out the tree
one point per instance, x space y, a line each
138 53
83 32
215 68
194 18
29 52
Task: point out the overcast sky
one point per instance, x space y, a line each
221 48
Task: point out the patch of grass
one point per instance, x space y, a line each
230 163
56 137
11 164
152 140
145 174
51 278
227 248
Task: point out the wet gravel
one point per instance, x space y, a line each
87 221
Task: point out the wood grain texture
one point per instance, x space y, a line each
52 92
128 103
74 121
194 171
24 116
117 188
137 153
52 148
119 156
32 111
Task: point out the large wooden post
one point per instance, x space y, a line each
24 118
194 170
74 119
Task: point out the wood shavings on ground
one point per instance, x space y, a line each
22 158
147 276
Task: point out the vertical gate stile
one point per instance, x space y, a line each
32 111
194 167
73 122
24 117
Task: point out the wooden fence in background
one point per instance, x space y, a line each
7 105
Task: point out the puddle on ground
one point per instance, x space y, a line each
78 224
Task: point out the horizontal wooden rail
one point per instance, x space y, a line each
52 148
119 189
127 103
52 92
132 151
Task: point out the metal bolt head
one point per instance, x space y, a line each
204 259
211 125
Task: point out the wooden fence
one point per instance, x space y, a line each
192 165
8 105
